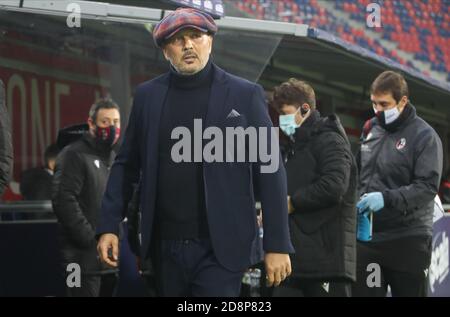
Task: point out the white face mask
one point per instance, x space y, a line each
387 116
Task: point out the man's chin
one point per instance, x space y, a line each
189 70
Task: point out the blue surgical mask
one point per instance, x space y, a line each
288 123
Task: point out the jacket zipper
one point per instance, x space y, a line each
373 168
374 165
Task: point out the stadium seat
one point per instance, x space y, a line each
414 26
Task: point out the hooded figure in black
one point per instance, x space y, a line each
82 169
322 176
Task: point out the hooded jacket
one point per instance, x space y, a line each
322 179
81 172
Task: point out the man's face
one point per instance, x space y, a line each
51 164
291 109
188 50
105 118
385 101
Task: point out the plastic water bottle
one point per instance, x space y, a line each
246 278
365 227
255 283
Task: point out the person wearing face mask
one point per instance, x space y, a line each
199 223
321 178
400 163
81 172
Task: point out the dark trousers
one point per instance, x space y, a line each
96 279
148 274
307 288
94 286
190 268
403 265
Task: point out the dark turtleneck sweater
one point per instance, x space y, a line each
181 208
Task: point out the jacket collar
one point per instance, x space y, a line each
218 97
303 133
100 150
407 115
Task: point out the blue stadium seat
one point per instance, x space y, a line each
423 31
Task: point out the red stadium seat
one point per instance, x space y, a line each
416 26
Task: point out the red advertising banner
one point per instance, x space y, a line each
44 93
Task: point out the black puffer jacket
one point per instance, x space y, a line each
322 179
6 152
81 172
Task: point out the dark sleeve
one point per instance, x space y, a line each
124 173
334 165
271 180
6 151
68 182
358 159
255 180
28 184
428 160
133 216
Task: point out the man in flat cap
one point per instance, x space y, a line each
198 222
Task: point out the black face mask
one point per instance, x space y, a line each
107 136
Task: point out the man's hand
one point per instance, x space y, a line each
278 267
371 202
108 249
290 206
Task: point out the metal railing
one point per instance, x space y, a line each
20 212
23 212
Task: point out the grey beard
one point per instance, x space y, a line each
188 74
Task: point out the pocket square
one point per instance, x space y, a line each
233 114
